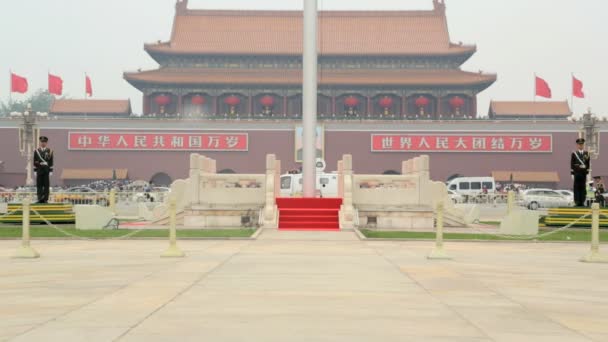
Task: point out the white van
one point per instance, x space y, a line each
472 185
327 184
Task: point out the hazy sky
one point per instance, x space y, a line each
515 39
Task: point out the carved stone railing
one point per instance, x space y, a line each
407 200
206 192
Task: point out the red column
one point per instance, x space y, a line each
250 105
180 105
439 112
333 105
473 110
146 105
285 106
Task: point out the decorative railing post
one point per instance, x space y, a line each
347 211
195 178
340 179
270 208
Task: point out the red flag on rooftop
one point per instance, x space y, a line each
577 88
88 86
542 88
18 84
55 85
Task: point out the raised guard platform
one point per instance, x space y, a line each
309 213
52 212
558 217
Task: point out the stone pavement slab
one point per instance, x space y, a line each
301 286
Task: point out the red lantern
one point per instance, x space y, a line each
267 101
162 100
386 102
198 100
422 102
232 101
351 101
456 102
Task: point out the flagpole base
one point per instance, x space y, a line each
26 252
173 252
595 258
438 254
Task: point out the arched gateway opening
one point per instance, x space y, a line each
161 179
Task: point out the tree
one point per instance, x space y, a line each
41 102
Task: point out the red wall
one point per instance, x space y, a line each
143 165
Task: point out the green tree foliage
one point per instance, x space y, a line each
40 100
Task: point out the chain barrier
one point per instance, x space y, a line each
10 213
66 233
537 236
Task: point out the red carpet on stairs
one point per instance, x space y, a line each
309 213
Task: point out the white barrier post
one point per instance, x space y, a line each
438 253
510 201
173 251
594 255
112 201
26 251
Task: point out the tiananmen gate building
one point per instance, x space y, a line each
228 86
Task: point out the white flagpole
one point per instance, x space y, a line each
572 93
10 87
309 92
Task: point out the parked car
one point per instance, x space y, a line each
568 194
534 199
456 197
472 185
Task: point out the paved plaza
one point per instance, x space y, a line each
301 286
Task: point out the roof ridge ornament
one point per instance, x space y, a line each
181 7
439 6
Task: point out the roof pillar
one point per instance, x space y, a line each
181 6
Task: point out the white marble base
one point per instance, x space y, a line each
92 217
398 220
520 222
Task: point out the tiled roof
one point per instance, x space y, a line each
93 174
526 177
294 77
340 33
91 107
513 108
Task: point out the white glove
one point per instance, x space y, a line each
572 177
50 174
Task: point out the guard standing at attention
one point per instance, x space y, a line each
580 163
43 166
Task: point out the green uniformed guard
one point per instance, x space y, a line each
580 163
43 166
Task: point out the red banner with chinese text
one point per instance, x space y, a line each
158 141
462 143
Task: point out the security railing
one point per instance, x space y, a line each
496 198
99 198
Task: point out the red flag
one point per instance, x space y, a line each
18 84
55 85
542 88
88 86
577 88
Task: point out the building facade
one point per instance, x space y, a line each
377 65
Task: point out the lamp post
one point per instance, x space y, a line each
591 133
28 138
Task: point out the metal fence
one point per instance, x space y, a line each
99 198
